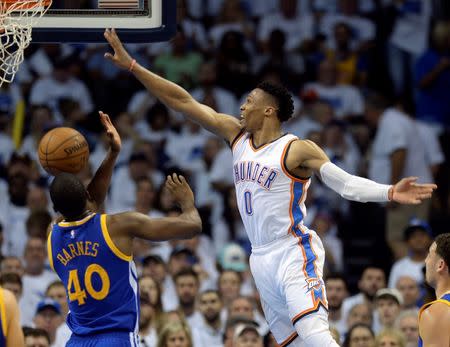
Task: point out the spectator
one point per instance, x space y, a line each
390 338
229 286
57 292
397 152
418 237
407 322
150 318
36 337
230 326
388 303
337 291
359 335
410 290
37 199
175 335
37 223
346 101
36 278
247 336
187 286
244 306
211 327
360 314
297 28
48 317
12 264
12 282
372 279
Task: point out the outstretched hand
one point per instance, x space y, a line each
121 58
407 191
180 190
115 143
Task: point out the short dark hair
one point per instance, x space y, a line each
443 248
210 291
283 98
336 276
27 331
10 277
40 219
188 271
54 284
68 195
350 331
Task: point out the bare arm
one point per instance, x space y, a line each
173 95
434 319
14 335
306 155
99 185
184 226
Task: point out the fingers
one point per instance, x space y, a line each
109 56
411 179
175 180
425 185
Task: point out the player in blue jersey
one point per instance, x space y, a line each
10 331
434 317
92 254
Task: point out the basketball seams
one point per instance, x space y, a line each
61 144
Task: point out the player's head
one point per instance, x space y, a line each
437 263
68 195
266 101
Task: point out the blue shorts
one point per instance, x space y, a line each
109 339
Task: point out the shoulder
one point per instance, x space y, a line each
437 314
9 300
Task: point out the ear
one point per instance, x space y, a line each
441 266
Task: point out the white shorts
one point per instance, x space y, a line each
288 275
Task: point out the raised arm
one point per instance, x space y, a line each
184 226
308 156
172 95
99 185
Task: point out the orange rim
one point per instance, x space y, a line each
26 4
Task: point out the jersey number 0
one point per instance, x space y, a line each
75 291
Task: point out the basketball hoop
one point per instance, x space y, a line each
16 22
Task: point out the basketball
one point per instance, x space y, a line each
63 150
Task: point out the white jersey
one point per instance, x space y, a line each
271 201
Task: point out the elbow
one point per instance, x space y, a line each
197 228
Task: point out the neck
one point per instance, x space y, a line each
215 324
269 132
443 287
81 216
188 310
34 271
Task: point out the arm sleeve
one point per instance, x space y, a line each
353 187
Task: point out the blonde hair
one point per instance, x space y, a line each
173 328
394 333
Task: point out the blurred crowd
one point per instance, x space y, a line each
370 80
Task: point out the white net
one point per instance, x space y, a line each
16 23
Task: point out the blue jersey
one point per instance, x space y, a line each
444 299
101 281
3 320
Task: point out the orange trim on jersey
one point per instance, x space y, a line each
313 309
288 340
250 140
110 242
284 168
237 139
3 313
76 223
49 249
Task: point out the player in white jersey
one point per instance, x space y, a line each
272 173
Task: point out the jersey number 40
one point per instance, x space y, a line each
74 287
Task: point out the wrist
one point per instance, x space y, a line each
391 193
132 65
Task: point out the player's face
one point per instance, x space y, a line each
178 339
430 266
252 113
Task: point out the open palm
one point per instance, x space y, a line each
407 191
121 57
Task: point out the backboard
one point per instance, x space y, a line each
136 21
